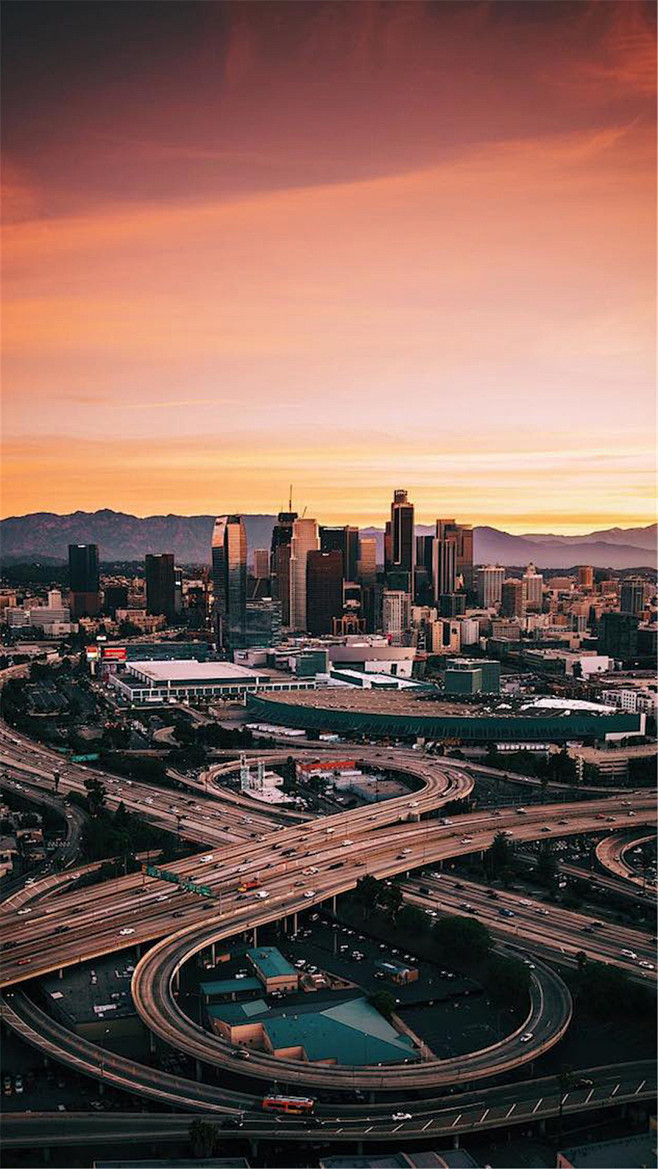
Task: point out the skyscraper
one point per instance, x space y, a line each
346 540
84 580
513 598
229 575
324 590
304 540
490 585
367 562
395 614
280 562
534 582
160 584
402 539
632 596
586 576
462 535
618 635
444 558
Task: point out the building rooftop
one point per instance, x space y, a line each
230 985
351 1032
191 671
448 1159
270 962
638 1152
355 699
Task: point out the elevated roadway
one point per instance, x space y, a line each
611 853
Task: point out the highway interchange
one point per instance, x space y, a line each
133 910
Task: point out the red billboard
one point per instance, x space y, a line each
114 653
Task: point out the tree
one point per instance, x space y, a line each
95 795
462 935
383 1001
581 959
203 1138
508 980
546 866
412 920
499 854
391 900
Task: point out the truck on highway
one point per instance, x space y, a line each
247 884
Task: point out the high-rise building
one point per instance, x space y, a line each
261 564
452 604
402 538
618 635
280 562
423 572
178 591
534 582
160 584
343 539
586 576
84 580
396 607
229 575
304 540
462 534
490 585
632 596
444 558
324 590
513 599
367 562
262 623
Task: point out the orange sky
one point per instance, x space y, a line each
351 246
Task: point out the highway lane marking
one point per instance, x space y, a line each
369 1129
589 1095
426 1126
640 1087
564 1098
456 1120
538 1105
397 1128
507 1114
484 1115
615 1090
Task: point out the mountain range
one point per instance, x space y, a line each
45 536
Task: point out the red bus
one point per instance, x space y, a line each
292 1104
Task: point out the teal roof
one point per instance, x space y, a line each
351 1033
270 962
229 985
236 1013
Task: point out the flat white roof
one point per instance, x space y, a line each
192 671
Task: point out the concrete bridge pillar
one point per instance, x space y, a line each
198 1070
213 953
46 1154
254 936
333 904
152 1044
541 1128
455 1141
253 1149
60 972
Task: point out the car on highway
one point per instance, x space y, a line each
646 965
262 894
583 1082
309 893
126 930
526 1037
628 954
401 1116
22 912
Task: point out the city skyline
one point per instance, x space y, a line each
425 243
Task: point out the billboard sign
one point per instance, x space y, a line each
114 653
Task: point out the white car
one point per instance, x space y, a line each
401 1116
23 911
466 839
262 894
205 860
629 954
309 893
348 843
646 965
127 930
526 1037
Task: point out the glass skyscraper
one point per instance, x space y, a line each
229 575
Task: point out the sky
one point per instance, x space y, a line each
348 246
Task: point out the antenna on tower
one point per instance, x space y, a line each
304 511
290 499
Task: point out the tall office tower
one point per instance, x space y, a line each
534 583
618 635
262 623
367 562
178 591
423 578
444 558
324 590
586 576
388 547
261 564
280 562
345 540
632 596
462 534
402 540
229 575
490 585
396 611
452 604
514 598
304 540
84 580
160 584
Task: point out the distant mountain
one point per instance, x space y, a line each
44 536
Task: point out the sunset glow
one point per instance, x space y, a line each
347 246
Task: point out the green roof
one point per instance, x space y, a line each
236 1013
229 985
270 962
